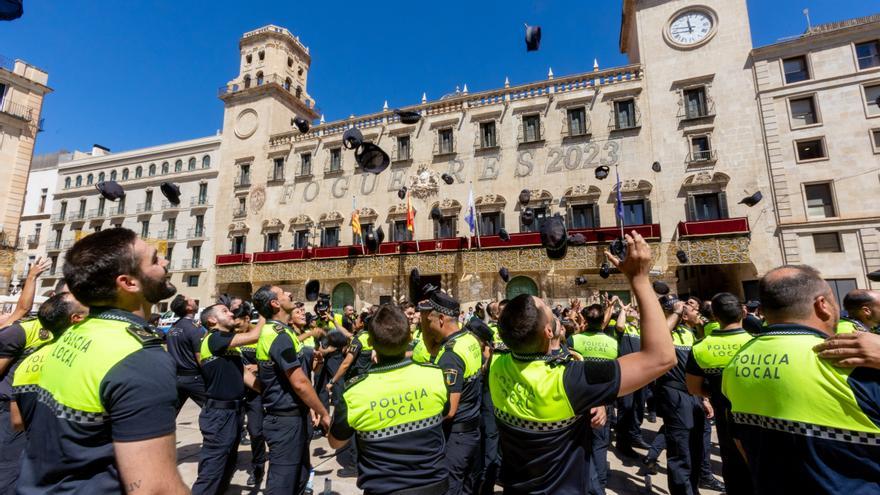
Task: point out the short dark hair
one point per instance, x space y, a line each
208 313
54 313
178 305
389 330
93 263
262 300
520 323
856 298
405 305
790 297
726 309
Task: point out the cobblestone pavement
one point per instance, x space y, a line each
624 477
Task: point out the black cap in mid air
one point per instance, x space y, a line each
533 38
301 124
371 158
110 189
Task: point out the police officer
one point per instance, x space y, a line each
544 440
805 425
359 356
594 344
225 379
253 400
183 341
287 392
17 341
395 412
484 478
105 421
863 312
707 359
630 408
459 354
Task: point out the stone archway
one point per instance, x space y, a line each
342 295
521 285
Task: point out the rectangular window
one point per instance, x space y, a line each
82 208
487 135
445 227
238 244
577 121
403 151
330 237
241 210
841 287
531 128
200 225
872 98
301 239
102 201
625 114
54 266
145 229
400 232
172 224
273 241
634 212
305 164
63 211
803 111
278 169
245 175
695 104
169 251
828 242
868 54
335 159
43 194
541 217
203 194
810 149
38 229
583 217
444 137
148 202
706 207
820 203
366 229
700 149
196 260
875 139
192 281
796 69
490 223
120 208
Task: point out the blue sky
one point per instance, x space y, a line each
129 74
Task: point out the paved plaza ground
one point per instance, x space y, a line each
625 476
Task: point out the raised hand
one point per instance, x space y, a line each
638 260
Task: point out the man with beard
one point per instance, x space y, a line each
183 342
106 420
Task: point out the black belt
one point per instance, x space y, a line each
189 373
675 385
465 426
286 414
438 488
223 404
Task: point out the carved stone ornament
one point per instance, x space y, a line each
424 183
238 228
273 225
704 178
330 218
301 220
258 199
490 200
397 210
448 206
631 186
367 213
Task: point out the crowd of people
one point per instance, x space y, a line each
517 394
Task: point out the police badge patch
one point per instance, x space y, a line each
44 334
451 377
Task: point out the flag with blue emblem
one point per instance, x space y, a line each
619 199
471 216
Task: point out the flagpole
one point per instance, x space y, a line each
619 202
360 228
476 219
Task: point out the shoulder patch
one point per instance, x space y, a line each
279 328
145 335
354 381
45 334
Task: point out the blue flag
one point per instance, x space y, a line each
619 199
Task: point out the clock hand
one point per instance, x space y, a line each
690 28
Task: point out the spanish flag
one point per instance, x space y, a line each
355 218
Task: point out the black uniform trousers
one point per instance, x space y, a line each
191 386
484 478
683 418
289 463
12 444
462 454
253 409
734 470
630 412
221 433
599 457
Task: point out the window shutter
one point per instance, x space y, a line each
595 209
436 229
648 217
500 223
691 208
569 217
722 205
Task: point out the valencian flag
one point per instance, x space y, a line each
355 218
410 216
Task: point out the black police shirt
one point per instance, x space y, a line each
12 342
183 341
470 390
363 359
223 370
278 394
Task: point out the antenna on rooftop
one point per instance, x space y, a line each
809 23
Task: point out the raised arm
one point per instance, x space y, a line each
246 338
26 299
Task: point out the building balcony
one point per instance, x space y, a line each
233 259
198 202
77 217
191 265
58 217
703 111
625 123
32 241
167 205
481 144
243 181
285 84
332 167
167 235
239 213
275 176
524 137
303 174
97 214
196 235
117 212
703 157
55 246
144 208
725 226
445 149
16 110
276 256
573 132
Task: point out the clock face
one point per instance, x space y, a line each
691 27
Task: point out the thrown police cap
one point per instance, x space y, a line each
682 256
754 305
660 287
580 280
224 299
408 116
479 328
371 158
505 237
373 239
352 138
442 303
752 200
874 276
524 197
448 179
10 10
171 191
577 240
527 216
602 172
605 270
415 277
436 214
656 167
313 288
533 38
504 273
110 189
301 124
401 193
554 237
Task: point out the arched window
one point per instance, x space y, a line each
521 285
67 183
248 58
138 172
247 80
206 161
90 179
79 180
259 78
299 72
299 92
125 174
289 62
165 167
178 165
152 169
262 55
343 295
101 177
112 175
287 83
191 164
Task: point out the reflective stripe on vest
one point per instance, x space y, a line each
595 345
270 331
778 382
392 400
529 394
205 350
715 351
466 346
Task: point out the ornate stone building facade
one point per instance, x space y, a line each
677 123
